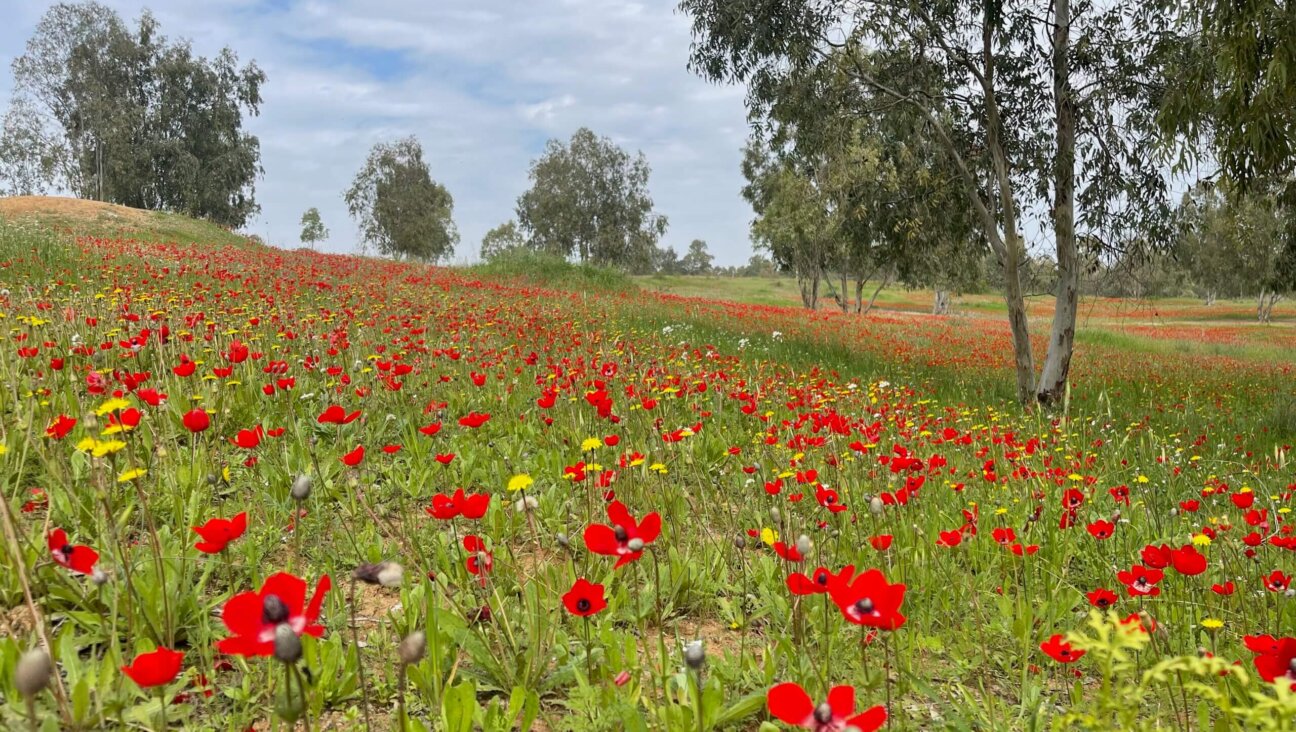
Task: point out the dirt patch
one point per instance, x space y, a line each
16 622
72 210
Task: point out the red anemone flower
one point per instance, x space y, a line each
479 562
614 540
1140 580
60 427
1278 662
252 616
1102 529
337 415
77 558
219 532
1223 589
1102 598
1277 581
1188 561
473 420
155 668
1061 651
881 542
196 420
460 504
870 600
790 703
353 458
584 598
819 582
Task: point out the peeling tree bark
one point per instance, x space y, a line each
1057 361
941 303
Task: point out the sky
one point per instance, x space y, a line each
481 83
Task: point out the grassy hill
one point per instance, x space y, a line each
80 217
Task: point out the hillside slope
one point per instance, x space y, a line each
94 218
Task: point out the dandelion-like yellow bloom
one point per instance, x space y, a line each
519 482
591 443
1212 623
132 474
112 405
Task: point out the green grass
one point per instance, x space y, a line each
551 271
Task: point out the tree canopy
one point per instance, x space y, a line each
127 116
401 210
313 229
589 198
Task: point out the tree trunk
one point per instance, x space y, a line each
1264 311
1210 298
941 303
814 292
886 279
1057 361
859 295
844 300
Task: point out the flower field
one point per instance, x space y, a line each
253 488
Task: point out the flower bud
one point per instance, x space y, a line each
99 577
804 545
287 646
875 506
694 655
740 542
775 516
33 672
563 540
412 648
301 488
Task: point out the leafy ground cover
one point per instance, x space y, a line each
246 487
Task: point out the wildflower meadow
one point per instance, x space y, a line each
250 488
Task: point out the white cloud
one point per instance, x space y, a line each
482 83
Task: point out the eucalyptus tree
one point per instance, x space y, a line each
401 210
1041 106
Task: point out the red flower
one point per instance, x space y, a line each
1060 651
353 458
1279 662
77 558
614 540
1140 580
253 616
1156 557
881 542
791 704
584 598
60 427
1225 589
1102 529
430 429
473 420
445 458
337 415
1188 561
248 439
870 600
1277 581
154 668
829 499
1102 598
1004 535
819 582
460 504
219 532
950 538
196 420
479 561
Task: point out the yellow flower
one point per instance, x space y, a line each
519 482
591 443
1141 479
3 449
1201 540
131 474
1212 623
658 468
113 429
769 536
112 405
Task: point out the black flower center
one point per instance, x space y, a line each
620 533
865 606
823 713
583 605
273 610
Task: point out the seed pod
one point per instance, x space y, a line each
694 655
287 646
804 545
301 488
412 648
33 672
635 545
875 506
775 516
740 542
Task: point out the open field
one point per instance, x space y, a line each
819 498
